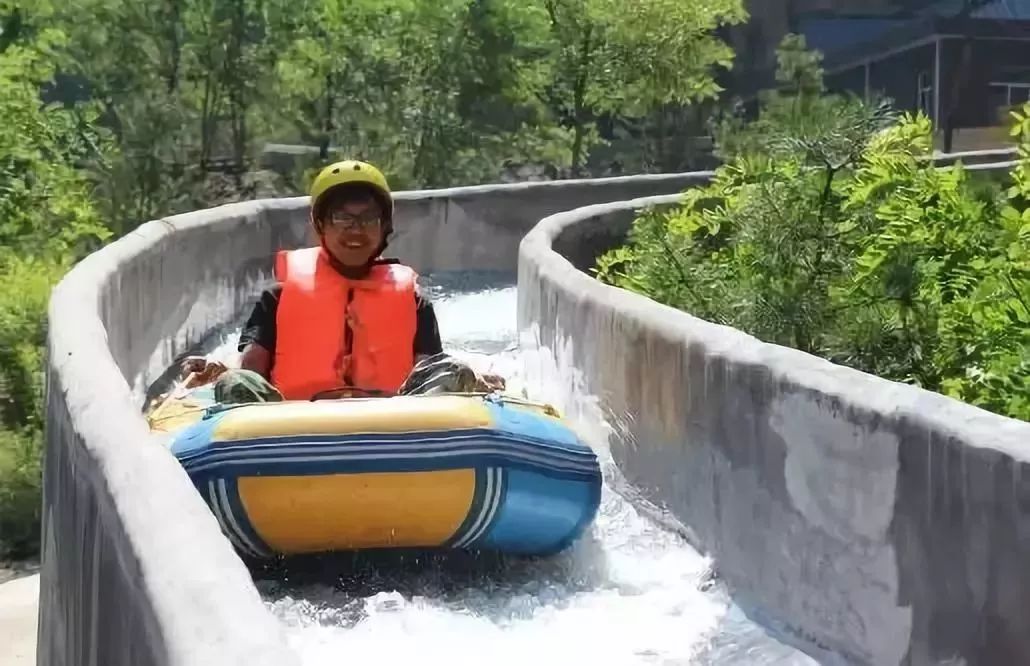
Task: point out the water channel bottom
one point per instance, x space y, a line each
629 592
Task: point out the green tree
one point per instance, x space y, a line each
47 220
183 87
788 111
439 93
629 57
45 205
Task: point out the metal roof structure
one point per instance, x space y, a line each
1004 9
915 32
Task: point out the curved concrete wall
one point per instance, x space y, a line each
877 521
135 570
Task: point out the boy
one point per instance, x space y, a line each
342 320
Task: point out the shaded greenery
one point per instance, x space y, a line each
632 59
829 230
47 219
439 93
22 340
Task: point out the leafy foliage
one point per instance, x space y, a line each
831 231
19 493
44 198
447 102
47 218
439 93
22 340
632 58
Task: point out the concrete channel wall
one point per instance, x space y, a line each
135 570
875 521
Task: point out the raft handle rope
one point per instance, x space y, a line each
358 391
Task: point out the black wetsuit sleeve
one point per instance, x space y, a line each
427 330
260 326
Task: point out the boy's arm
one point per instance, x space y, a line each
257 339
427 330
429 344
257 358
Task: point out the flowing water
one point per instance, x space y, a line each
629 592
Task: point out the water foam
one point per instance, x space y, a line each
629 592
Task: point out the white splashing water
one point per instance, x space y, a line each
629 592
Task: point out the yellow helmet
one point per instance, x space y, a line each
350 172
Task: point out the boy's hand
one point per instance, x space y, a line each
203 370
492 382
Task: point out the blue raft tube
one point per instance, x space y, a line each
468 471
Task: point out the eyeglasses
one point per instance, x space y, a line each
341 219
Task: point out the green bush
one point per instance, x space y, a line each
47 220
19 493
22 338
22 341
830 231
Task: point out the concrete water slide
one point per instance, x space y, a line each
874 521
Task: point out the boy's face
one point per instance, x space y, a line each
353 231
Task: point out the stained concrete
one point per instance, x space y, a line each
877 523
135 570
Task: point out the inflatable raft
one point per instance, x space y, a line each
483 472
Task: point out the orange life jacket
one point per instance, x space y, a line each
332 331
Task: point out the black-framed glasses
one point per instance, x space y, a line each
342 219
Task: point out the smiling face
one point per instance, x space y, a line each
351 229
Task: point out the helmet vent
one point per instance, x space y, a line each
336 170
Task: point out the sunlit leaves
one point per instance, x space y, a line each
633 57
830 230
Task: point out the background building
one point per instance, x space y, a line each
964 63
